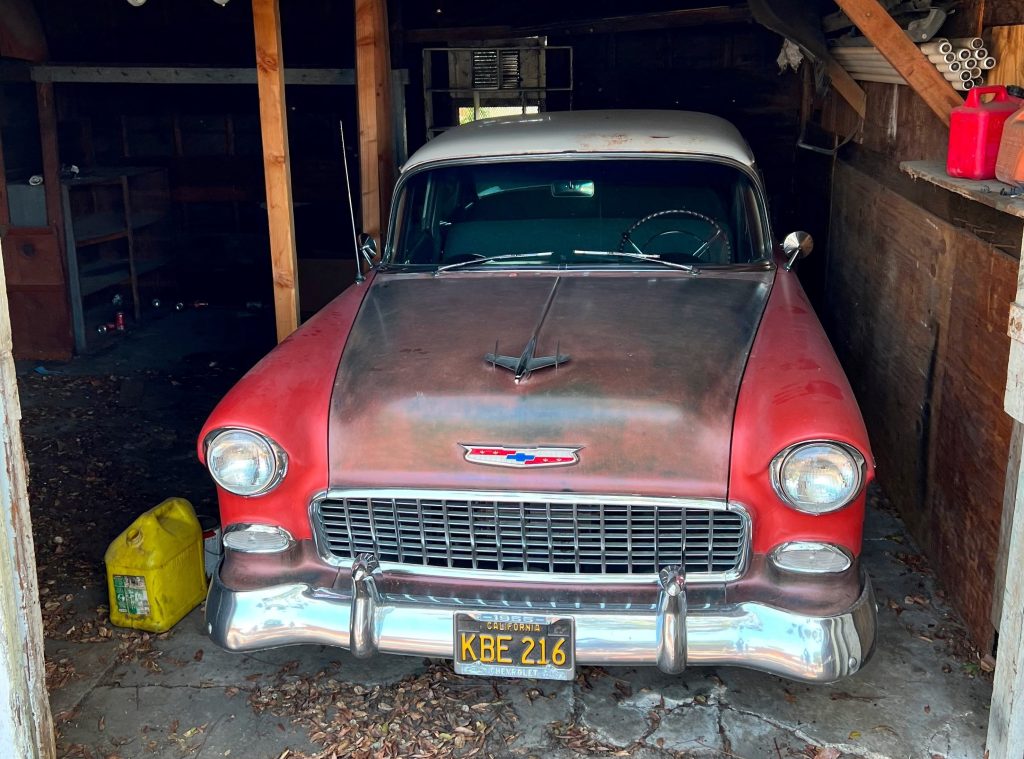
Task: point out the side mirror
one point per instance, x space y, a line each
367 251
367 248
797 245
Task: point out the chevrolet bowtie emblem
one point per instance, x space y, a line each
522 457
527 362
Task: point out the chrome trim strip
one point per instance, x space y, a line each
504 496
749 634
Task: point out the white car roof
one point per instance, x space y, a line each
599 132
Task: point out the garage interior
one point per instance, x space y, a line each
174 199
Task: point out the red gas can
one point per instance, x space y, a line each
975 130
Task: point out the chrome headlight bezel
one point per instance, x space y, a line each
786 454
280 459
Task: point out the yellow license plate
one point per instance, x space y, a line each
515 645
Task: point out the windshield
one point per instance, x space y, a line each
653 212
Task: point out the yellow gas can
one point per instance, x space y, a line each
155 568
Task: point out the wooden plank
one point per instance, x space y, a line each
266 15
182 75
986 192
684 17
845 85
932 384
885 34
373 93
26 725
1007 45
1006 523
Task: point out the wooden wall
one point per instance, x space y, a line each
919 283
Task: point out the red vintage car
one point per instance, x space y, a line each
580 412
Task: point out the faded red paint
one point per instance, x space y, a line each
648 393
779 405
287 396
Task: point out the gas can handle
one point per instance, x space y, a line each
974 96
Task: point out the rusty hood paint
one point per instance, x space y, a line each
648 393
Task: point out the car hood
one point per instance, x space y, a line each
647 393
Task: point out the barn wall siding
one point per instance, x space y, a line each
917 308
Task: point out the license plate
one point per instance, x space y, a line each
515 645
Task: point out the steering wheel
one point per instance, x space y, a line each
705 242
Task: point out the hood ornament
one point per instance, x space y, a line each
522 457
525 363
521 366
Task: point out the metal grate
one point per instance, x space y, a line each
496 69
533 536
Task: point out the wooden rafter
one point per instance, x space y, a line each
894 45
373 93
719 14
276 163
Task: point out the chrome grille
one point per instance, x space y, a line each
559 535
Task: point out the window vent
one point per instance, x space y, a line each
495 69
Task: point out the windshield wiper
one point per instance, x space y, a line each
650 257
488 259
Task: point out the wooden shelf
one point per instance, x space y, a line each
123 203
99 227
988 191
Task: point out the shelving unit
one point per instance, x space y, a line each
116 230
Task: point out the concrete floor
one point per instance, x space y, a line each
118 693
184 697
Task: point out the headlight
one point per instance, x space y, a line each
818 477
244 462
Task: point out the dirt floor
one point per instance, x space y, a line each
111 435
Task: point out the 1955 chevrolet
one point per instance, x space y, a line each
580 412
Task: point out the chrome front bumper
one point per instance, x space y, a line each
665 634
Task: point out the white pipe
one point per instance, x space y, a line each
954 66
981 52
938 58
963 54
940 46
972 43
987 63
963 86
975 72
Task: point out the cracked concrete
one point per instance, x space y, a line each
914 700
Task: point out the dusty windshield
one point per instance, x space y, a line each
593 213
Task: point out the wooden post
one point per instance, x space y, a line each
373 91
266 18
1006 716
885 34
26 726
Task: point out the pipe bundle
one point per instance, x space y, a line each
961 61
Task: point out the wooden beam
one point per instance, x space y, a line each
26 726
885 34
182 75
847 87
1006 715
266 16
373 93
